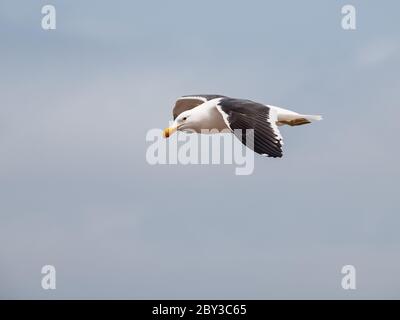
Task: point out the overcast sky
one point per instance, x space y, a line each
76 191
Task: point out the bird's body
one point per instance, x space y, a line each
216 113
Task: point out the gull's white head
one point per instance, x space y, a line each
187 121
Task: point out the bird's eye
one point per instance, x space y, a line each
184 118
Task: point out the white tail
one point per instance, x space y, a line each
292 118
311 118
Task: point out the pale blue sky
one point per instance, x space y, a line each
76 190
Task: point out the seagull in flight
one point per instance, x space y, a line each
200 112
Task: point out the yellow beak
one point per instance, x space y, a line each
169 131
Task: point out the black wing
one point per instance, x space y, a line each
243 115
